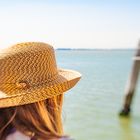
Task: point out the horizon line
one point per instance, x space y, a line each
95 48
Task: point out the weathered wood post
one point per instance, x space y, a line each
131 85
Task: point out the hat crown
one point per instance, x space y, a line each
33 62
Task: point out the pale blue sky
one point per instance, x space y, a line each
71 23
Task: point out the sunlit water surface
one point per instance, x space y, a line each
91 108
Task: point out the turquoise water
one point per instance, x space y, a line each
91 108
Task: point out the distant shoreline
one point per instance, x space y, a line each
90 49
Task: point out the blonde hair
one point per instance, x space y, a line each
41 119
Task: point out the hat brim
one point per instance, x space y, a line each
65 80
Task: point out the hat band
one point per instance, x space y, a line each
25 84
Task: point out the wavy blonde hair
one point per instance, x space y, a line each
41 119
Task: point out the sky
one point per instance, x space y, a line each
97 24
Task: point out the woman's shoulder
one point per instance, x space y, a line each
17 135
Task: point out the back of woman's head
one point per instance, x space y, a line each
31 80
41 119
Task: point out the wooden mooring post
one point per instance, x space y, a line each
131 85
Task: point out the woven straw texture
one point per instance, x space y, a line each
28 73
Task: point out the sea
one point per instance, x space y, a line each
91 109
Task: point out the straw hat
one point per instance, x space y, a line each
28 73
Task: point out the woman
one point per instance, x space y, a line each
31 92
